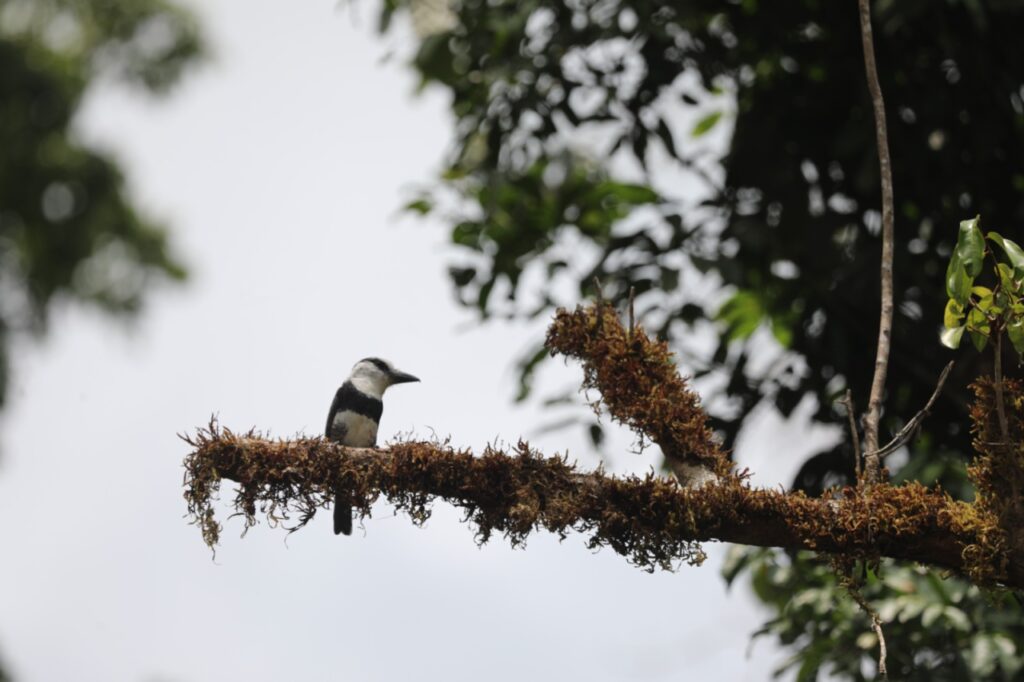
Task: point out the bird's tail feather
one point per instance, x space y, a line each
342 514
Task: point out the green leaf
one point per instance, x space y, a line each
666 138
978 327
978 321
706 123
981 656
1013 252
986 300
951 336
958 282
527 367
978 339
953 315
738 558
782 329
421 206
957 618
931 614
627 193
1015 332
970 246
742 314
1006 277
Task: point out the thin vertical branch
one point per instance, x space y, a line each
853 589
872 460
876 625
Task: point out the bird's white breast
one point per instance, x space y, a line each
360 431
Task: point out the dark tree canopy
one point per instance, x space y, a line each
67 227
791 234
776 231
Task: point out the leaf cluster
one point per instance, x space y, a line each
979 310
938 628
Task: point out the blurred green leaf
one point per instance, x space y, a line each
742 314
1015 332
706 123
420 206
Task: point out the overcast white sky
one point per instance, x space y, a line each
280 166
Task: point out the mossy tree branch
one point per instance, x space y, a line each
654 521
651 520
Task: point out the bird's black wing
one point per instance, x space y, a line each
351 399
329 430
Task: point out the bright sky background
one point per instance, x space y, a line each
280 166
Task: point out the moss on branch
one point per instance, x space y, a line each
637 381
653 521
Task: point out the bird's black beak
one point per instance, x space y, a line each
402 378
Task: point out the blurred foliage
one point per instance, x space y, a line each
67 228
780 219
936 629
750 124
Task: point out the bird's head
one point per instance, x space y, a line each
373 376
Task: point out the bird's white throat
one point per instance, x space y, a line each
372 385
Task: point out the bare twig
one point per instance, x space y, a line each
876 625
848 401
872 461
907 431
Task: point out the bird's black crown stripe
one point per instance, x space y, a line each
381 365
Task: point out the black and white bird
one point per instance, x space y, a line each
355 416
